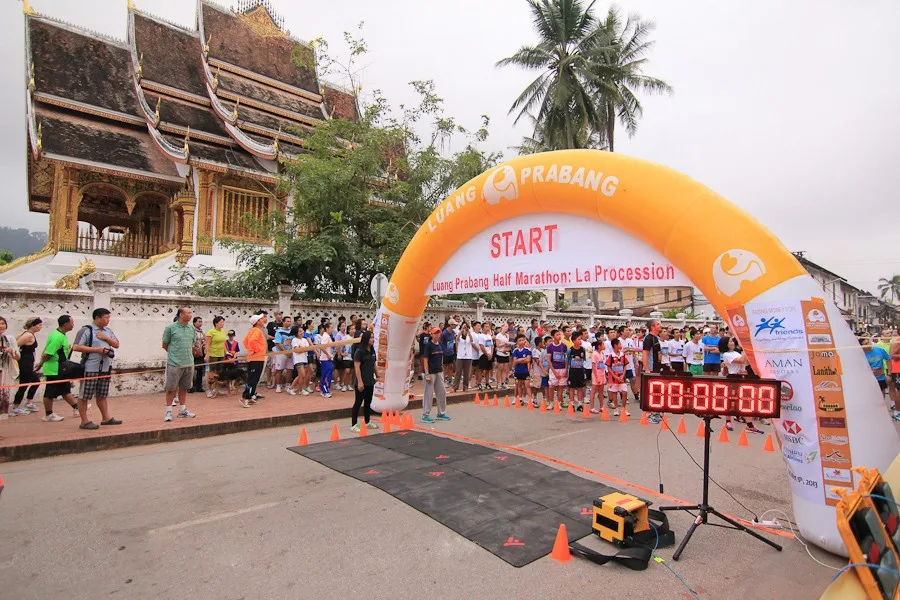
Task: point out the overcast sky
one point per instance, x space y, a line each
789 108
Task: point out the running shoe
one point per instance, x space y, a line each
185 414
752 429
278 389
355 428
616 414
654 419
304 392
245 403
443 417
52 418
31 407
427 419
166 419
291 391
17 412
594 411
372 425
729 427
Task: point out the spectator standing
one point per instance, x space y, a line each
271 326
56 352
282 365
433 369
232 347
178 341
598 376
27 342
449 348
199 353
256 344
326 361
97 344
216 340
299 345
9 352
466 353
503 347
532 333
616 366
366 367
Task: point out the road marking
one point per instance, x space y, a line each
213 518
553 437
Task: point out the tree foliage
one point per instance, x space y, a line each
590 74
890 288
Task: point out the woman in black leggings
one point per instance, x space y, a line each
364 365
27 342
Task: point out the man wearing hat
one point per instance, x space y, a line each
255 344
432 368
448 347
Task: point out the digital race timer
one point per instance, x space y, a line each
703 395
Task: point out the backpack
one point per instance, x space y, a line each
90 341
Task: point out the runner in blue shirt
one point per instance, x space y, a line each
521 356
876 357
712 357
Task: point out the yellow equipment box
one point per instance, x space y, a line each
620 516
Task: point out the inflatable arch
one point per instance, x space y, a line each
833 414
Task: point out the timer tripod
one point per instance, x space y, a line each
704 507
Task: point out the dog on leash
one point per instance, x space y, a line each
231 376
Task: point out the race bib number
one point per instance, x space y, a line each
698 356
577 363
618 369
559 357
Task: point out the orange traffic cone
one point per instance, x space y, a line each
586 410
742 441
506 403
604 414
410 422
335 434
387 427
496 400
477 398
723 436
623 416
302 441
664 423
769 446
701 430
557 408
363 429
682 426
543 407
530 404
561 551
571 410
644 420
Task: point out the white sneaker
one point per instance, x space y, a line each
328 395
278 389
209 394
627 414
75 413
16 412
52 418
616 414
185 414
30 406
291 391
168 416
175 401
304 392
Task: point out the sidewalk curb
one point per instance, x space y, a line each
189 432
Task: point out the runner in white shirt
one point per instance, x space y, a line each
502 349
664 357
676 352
693 353
301 361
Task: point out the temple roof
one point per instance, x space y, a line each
185 114
66 66
252 41
108 145
266 95
340 104
171 55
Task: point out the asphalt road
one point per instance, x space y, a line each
240 517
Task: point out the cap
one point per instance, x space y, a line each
706 330
435 330
452 322
231 332
255 319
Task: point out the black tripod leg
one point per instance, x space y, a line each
687 537
746 529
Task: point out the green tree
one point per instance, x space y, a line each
6 256
591 72
560 99
890 288
617 67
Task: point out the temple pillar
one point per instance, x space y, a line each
205 207
186 202
101 284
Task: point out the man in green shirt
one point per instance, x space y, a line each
56 349
178 340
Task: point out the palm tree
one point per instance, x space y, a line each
890 287
549 135
618 59
561 96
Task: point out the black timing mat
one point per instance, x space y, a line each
509 505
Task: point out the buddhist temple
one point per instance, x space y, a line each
146 152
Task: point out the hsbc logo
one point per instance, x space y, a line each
791 427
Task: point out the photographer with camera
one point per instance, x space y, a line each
97 344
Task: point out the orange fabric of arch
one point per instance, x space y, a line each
724 251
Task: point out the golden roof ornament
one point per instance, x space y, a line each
206 46
26 8
187 138
131 5
216 80
156 114
139 70
234 114
40 137
31 77
275 143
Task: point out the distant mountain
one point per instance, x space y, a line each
21 242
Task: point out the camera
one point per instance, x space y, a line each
110 353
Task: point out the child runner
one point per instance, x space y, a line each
733 362
301 362
617 364
693 354
503 347
540 368
676 352
664 356
575 360
598 375
587 342
558 376
521 358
